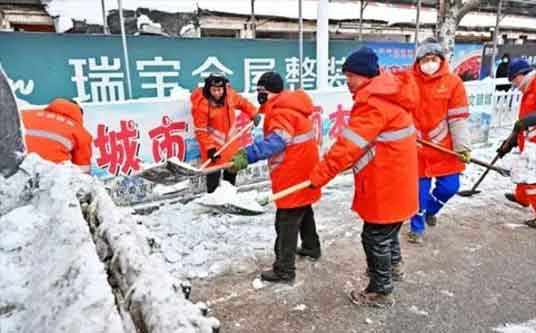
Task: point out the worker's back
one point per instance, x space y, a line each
57 133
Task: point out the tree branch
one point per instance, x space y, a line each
466 8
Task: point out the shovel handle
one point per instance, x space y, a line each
290 190
502 171
228 143
217 168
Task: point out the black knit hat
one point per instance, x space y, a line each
271 81
362 61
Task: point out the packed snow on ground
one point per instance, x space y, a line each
196 241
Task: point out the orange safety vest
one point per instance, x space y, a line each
288 115
214 126
380 146
442 100
527 107
57 134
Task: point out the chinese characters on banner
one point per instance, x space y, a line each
118 151
103 79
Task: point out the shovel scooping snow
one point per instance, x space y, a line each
226 199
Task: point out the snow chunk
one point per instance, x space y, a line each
416 311
527 327
300 307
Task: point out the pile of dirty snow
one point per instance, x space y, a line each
61 274
51 278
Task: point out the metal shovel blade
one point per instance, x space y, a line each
468 193
169 172
234 209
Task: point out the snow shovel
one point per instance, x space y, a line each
252 207
473 191
173 170
501 171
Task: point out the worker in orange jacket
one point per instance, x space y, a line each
522 76
290 147
441 118
379 145
57 133
213 111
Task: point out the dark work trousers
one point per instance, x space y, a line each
213 179
288 223
382 248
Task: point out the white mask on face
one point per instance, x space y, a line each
430 67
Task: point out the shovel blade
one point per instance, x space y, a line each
170 172
233 209
468 193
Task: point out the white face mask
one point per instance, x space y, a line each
430 67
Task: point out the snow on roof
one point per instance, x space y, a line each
91 11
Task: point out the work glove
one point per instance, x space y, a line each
465 156
211 153
240 161
257 120
520 126
507 146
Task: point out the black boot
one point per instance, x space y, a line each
310 246
512 197
311 254
274 276
287 223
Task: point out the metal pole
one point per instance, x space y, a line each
253 25
322 45
361 8
301 42
125 49
495 38
417 24
105 29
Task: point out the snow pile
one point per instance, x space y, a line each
51 278
155 299
59 275
195 242
227 197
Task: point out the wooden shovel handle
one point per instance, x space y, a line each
228 143
290 190
217 168
502 171
438 147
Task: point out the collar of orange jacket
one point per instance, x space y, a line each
66 108
297 100
399 89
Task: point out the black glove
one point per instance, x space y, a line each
507 145
211 153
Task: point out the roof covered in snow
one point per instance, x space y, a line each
392 14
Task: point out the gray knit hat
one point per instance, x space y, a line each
429 46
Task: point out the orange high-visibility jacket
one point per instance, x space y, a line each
528 106
443 102
288 115
57 133
379 143
214 126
